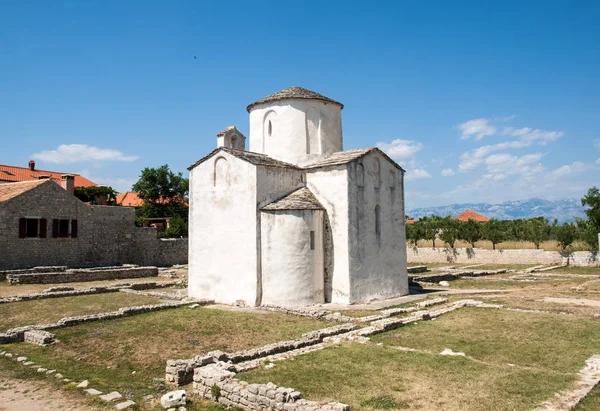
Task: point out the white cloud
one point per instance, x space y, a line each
526 137
400 149
527 134
598 161
478 128
447 172
597 144
75 153
417 174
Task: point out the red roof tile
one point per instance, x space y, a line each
410 222
129 199
15 174
472 215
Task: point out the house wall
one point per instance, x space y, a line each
223 242
331 189
377 254
106 235
292 272
293 134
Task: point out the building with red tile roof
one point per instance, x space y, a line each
129 199
472 215
13 174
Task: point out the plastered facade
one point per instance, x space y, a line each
296 220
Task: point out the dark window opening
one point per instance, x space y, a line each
32 227
270 129
312 240
63 228
7 172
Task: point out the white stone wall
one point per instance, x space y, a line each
331 189
483 256
296 137
377 249
292 272
223 230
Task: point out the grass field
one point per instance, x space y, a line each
50 310
107 352
519 360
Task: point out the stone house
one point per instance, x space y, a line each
43 224
296 220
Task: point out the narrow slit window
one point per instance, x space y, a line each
312 240
270 129
378 220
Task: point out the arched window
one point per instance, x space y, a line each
360 175
268 128
312 131
377 181
378 220
221 172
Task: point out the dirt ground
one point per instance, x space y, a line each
19 395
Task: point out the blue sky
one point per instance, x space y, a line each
479 101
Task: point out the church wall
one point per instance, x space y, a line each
377 242
292 262
292 133
331 189
274 183
222 228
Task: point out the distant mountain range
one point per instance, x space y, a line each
565 210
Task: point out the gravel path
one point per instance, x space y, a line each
18 395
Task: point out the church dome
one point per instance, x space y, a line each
294 92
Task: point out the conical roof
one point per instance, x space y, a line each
294 92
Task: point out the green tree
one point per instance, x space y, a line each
537 231
565 235
165 194
449 231
590 229
178 227
161 185
471 232
494 231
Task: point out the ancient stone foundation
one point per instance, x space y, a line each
38 337
82 275
218 384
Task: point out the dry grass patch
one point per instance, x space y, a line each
50 310
542 341
108 352
7 290
370 377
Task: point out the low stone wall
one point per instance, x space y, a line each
483 256
42 269
181 372
218 384
57 292
82 275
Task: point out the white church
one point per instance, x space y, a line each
295 220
